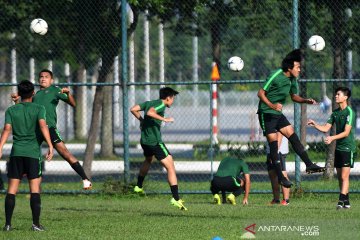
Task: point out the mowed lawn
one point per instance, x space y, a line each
99 216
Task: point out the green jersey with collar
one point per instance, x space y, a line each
341 118
24 120
150 129
277 87
49 98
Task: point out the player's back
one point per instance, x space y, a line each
24 119
231 166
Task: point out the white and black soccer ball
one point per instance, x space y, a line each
235 64
316 43
39 26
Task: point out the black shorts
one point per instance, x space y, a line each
271 166
344 159
228 184
20 166
159 151
272 123
54 136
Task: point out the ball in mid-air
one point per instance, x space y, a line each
235 64
316 43
39 26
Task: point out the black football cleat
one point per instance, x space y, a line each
37 228
313 168
285 183
7 228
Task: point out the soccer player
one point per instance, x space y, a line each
232 176
345 151
283 151
49 96
27 122
152 143
272 95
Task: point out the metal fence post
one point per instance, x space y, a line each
297 111
125 102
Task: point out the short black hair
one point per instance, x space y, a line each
167 92
46 70
291 57
345 90
25 89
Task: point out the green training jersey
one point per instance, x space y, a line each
341 118
277 87
24 120
233 167
49 98
150 129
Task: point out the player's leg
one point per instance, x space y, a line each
343 177
343 163
35 203
275 186
168 164
162 154
288 132
274 181
275 160
15 173
34 172
235 185
144 169
269 124
13 186
149 152
74 163
60 147
286 192
214 188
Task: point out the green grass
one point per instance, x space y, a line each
160 186
152 217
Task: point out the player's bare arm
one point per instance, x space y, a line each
322 128
135 110
298 99
152 113
71 100
4 136
263 98
15 98
247 189
45 132
341 135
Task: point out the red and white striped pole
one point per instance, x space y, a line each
215 76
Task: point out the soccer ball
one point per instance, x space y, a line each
316 43
39 26
235 64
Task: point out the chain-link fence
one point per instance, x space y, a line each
175 43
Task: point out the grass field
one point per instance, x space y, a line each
103 216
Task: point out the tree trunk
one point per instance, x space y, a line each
107 64
107 143
79 111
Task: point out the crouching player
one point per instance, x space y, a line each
232 176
